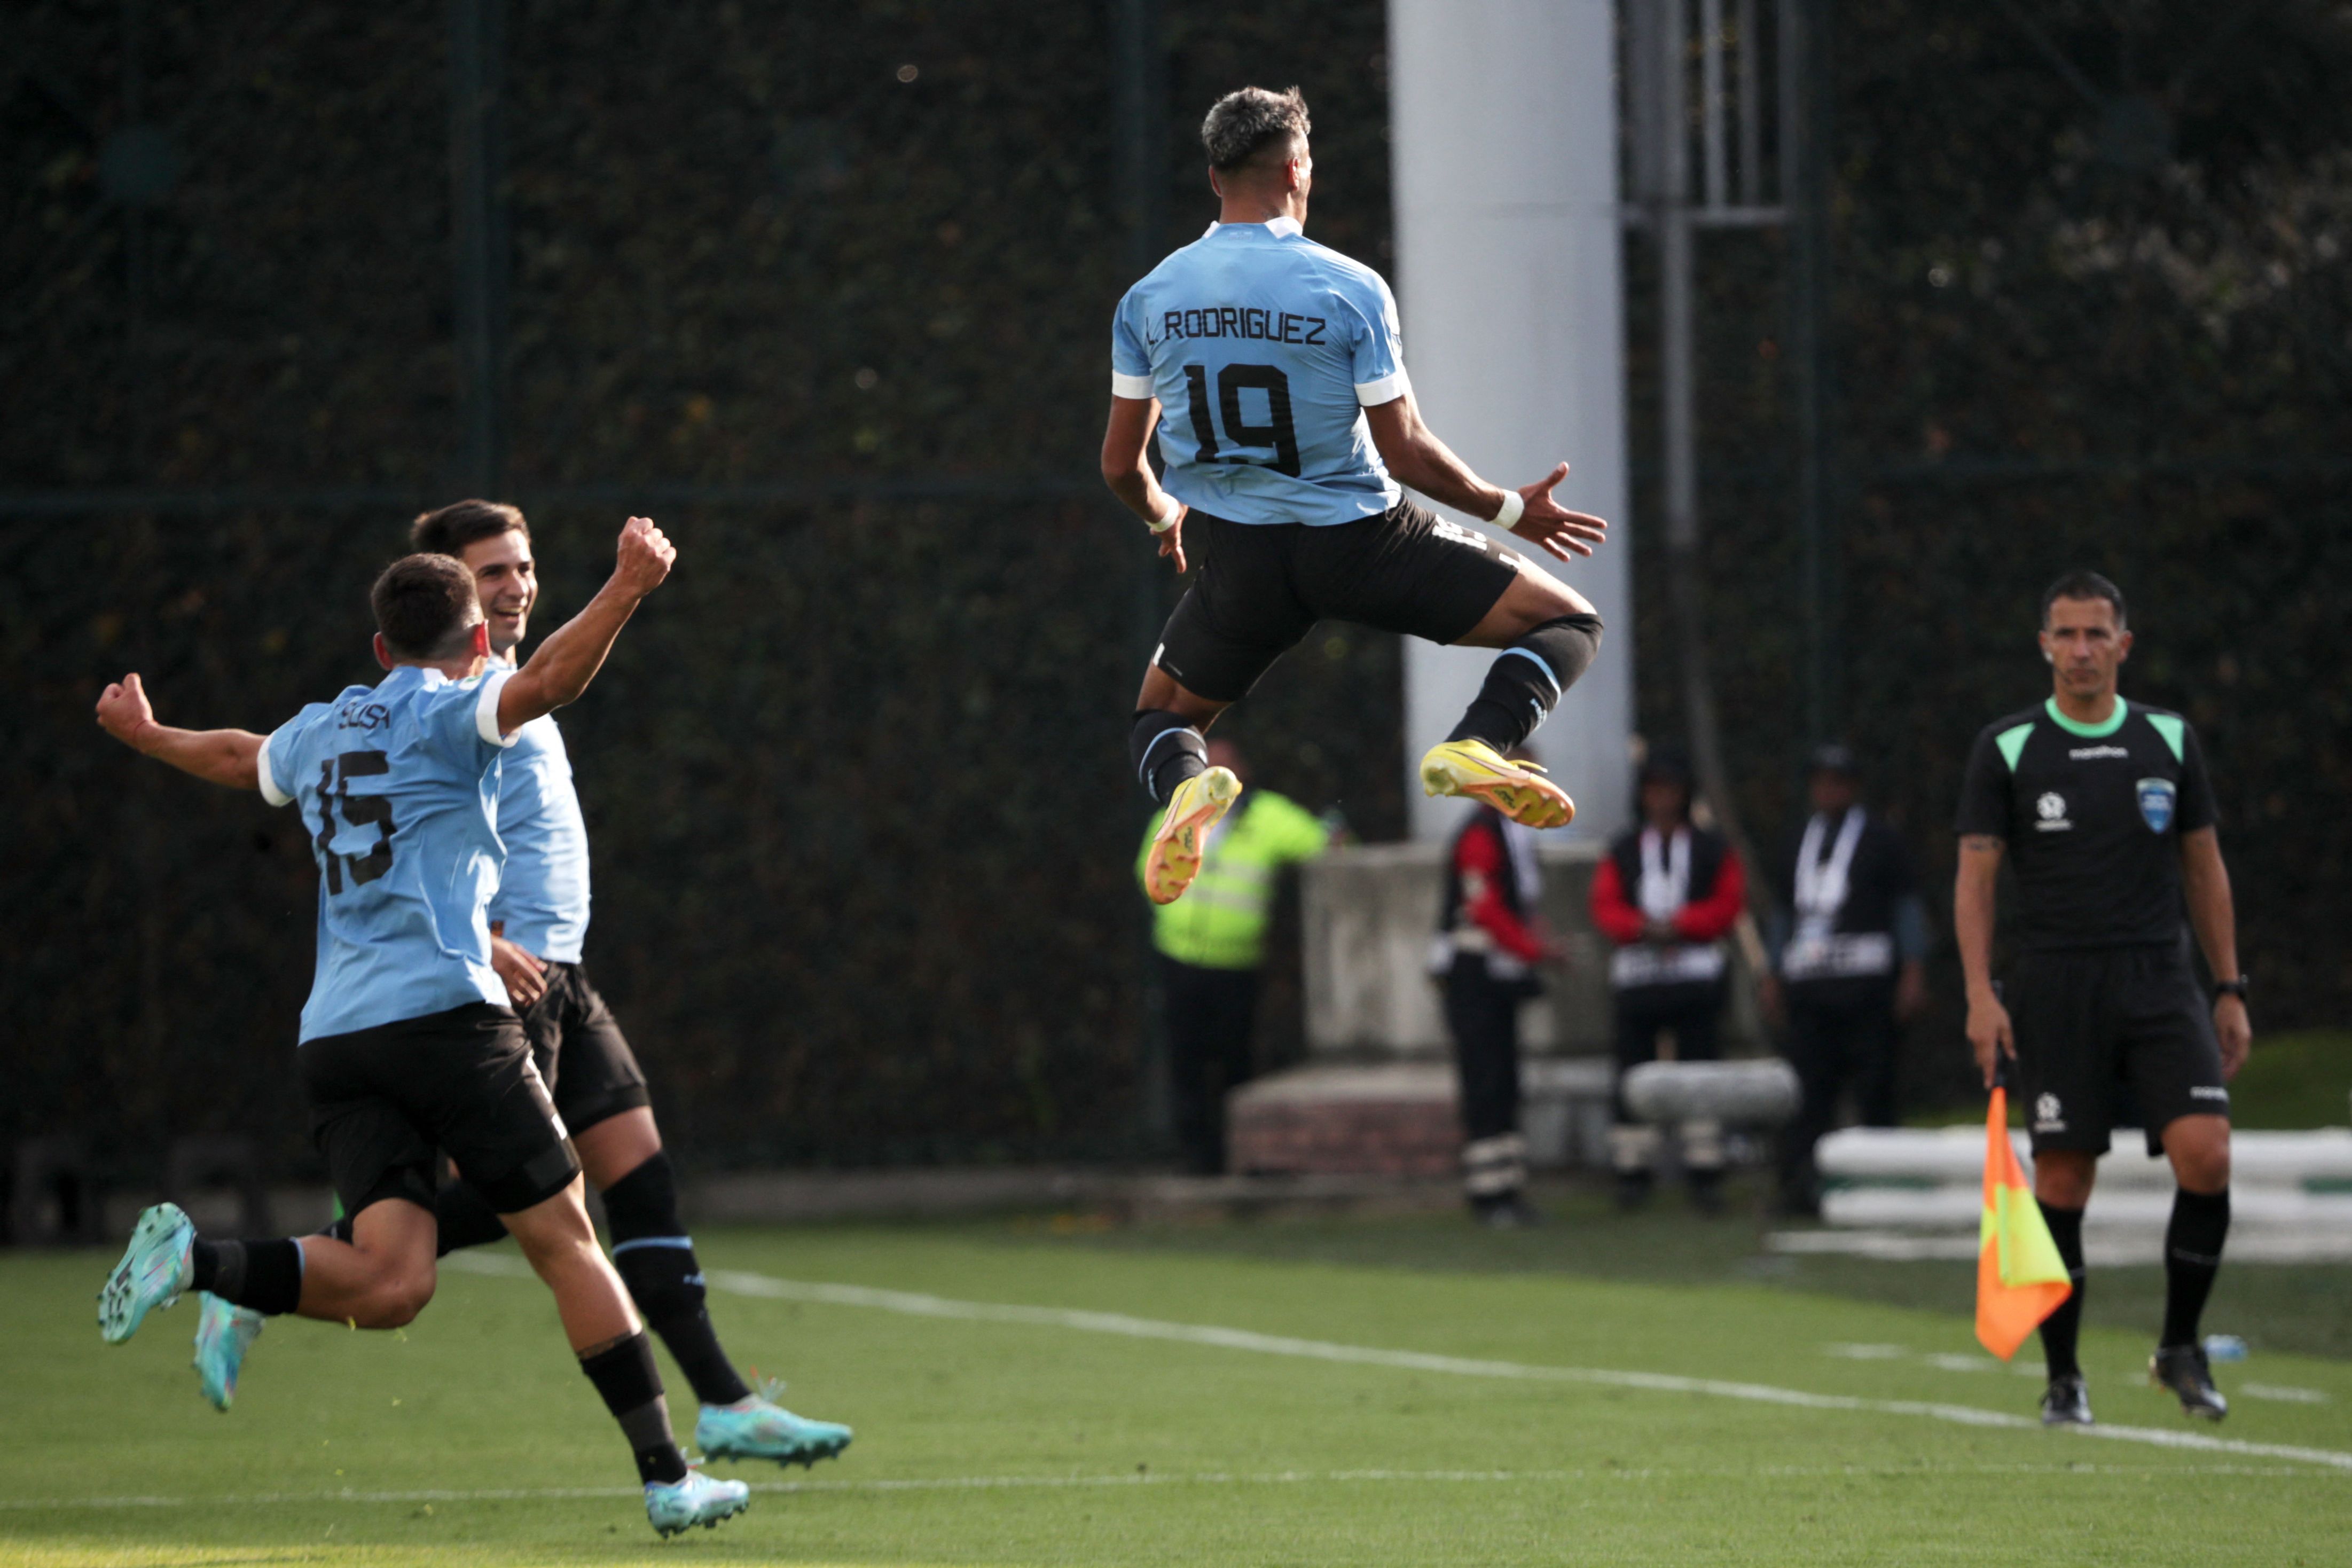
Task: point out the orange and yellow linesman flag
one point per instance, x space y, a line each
2020 1279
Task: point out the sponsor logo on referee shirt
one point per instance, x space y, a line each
2210 1091
2047 1116
2157 797
2051 809
2091 753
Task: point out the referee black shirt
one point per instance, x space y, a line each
2092 816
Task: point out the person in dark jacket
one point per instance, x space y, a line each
1849 945
1489 943
1667 894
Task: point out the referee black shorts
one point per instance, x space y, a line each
581 1052
1258 588
383 1098
2103 1032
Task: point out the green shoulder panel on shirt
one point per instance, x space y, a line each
2172 727
2011 742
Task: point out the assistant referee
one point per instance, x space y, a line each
2104 809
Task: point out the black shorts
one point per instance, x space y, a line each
382 1099
2104 1032
1258 588
580 1051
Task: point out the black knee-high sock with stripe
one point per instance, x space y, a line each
656 1262
266 1275
625 1377
2192 1256
1166 751
1528 680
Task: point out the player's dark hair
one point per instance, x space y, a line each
425 606
2082 585
1245 123
447 531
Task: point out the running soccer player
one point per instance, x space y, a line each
1290 425
407 1042
2102 808
538 922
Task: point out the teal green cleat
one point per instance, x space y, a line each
223 1333
674 1506
156 1267
760 1428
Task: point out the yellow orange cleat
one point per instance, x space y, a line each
1194 808
1518 790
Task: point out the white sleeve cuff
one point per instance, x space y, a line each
1135 386
485 708
1388 389
269 790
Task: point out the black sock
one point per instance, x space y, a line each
1166 751
266 1275
2193 1255
631 1386
656 1258
466 1217
2063 1328
1529 680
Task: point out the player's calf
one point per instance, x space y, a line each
1527 681
1166 749
656 1259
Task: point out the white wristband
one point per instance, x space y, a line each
1167 519
1513 506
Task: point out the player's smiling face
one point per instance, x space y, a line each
2085 646
507 578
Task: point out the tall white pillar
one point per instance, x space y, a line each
1503 137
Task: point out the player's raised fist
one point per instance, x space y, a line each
123 709
646 555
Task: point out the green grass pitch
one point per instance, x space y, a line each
1356 1413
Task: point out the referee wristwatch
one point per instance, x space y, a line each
2238 988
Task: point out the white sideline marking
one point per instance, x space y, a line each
2283 1394
1129 1478
915 1304
1941 1361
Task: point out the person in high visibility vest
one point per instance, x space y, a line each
1211 946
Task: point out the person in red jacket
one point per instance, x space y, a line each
1489 944
1667 894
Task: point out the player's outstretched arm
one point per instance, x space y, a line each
1128 472
2205 888
227 757
1972 916
568 660
1417 458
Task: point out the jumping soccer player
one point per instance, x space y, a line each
539 921
2104 809
407 1041
1289 426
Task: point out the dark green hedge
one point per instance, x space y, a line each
856 778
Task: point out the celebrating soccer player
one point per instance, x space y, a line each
407 1043
2104 809
1290 425
538 921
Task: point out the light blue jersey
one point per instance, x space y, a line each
1264 349
398 785
542 898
